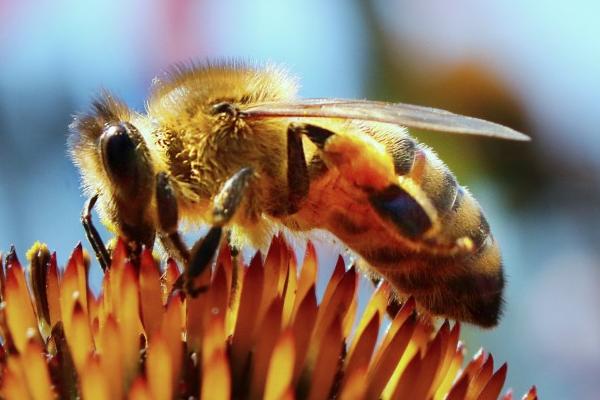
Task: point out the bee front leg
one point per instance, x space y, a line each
197 259
92 234
168 218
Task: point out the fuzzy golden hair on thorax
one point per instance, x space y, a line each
200 149
233 82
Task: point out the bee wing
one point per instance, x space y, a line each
394 113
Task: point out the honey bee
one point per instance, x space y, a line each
231 146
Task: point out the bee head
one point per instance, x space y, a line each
115 164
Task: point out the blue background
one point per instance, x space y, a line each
532 65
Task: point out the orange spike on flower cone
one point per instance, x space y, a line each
257 331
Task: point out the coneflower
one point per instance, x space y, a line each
257 331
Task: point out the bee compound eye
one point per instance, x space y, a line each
118 151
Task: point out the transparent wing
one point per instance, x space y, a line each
394 113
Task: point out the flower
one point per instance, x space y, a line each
257 331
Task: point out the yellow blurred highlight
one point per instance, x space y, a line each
281 367
93 382
159 368
216 378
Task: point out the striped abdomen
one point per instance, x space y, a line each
465 286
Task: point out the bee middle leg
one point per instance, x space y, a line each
199 257
297 169
367 164
298 180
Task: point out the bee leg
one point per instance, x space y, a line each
402 205
168 217
197 259
226 202
367 164
235 251
358 157
297 169
225 205
92 234
201 255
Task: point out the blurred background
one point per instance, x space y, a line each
532 66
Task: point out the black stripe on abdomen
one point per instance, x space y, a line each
396 205
444 198
403 153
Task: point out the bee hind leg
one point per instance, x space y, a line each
357 156
199 257
298 180
366 163
92 234
402 205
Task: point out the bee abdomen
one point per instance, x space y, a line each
466 219
422 165
467 287
435 179
459 213
403 152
